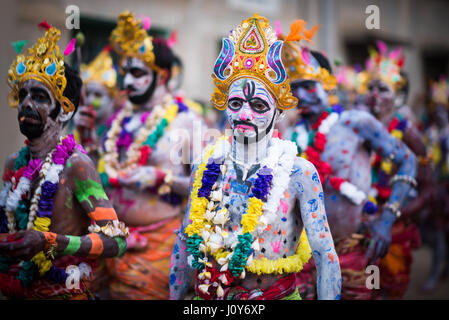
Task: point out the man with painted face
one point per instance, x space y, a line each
386 97
99 79
339 144
256 211
55 218
145 177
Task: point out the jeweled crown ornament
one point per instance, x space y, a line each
299 62
100 70
42 62
386 66
252 50
130 39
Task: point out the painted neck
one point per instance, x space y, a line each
41 146
250 153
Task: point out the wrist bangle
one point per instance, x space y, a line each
404 178
393 207
51 245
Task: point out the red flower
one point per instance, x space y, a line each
325 170
336 182
312 155
323 116
320 141
393 124
383 192
145 152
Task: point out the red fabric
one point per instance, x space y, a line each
353 262
278 290
395 267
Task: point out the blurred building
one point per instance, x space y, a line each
421 27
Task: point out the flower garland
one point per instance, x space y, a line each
37 213
314 147
381 169
206 232
138 151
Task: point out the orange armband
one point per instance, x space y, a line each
97 245
103 214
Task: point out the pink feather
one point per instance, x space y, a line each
382 46
172 39
146 22
278 28
395 53
70 47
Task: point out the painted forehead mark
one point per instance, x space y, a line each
249 90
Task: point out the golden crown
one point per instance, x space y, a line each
101 70
44 63
351 78
130 39
385 66
299 62
439 92
252 50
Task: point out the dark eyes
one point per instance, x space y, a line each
381 88
36 95
235 104
257 105
137 73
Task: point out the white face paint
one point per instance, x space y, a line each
311 95
97 96
138 77
251 110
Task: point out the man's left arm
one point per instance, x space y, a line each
106 237
388 147
310 194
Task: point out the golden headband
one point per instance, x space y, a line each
43 63
130 39
100 70
252 50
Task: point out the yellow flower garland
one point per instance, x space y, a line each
198 205
291 264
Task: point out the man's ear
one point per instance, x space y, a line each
280 116
162 77
65 116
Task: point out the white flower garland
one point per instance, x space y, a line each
111 156
281 155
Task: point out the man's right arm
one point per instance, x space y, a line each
181 273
